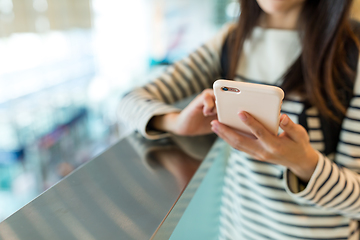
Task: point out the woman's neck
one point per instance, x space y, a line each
284 20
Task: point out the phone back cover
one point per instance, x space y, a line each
262 102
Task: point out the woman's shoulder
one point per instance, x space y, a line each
216 43
227 28
224 31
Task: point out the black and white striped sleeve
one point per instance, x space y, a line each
335 185
184 78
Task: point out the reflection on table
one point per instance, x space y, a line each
124 193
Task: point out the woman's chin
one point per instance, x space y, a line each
275 7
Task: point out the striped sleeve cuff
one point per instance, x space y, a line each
331 187
293 186
136 109
142 124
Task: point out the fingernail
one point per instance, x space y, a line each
285 120
243 116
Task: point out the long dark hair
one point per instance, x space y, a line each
325 31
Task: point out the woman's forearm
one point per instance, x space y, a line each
165 123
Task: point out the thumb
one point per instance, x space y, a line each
295 131
209 104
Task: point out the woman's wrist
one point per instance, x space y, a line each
164 122
306 169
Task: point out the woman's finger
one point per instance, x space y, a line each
209 103
256 127
236 140
295 131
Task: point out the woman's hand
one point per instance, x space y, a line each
193 120
291 148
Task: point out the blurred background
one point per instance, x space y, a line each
64 66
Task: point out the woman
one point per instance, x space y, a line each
303 183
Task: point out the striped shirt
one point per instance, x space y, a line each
262 200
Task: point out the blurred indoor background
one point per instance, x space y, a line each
65 64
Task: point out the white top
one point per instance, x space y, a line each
268 53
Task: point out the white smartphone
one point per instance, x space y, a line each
263 102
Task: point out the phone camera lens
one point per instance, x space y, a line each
225 89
